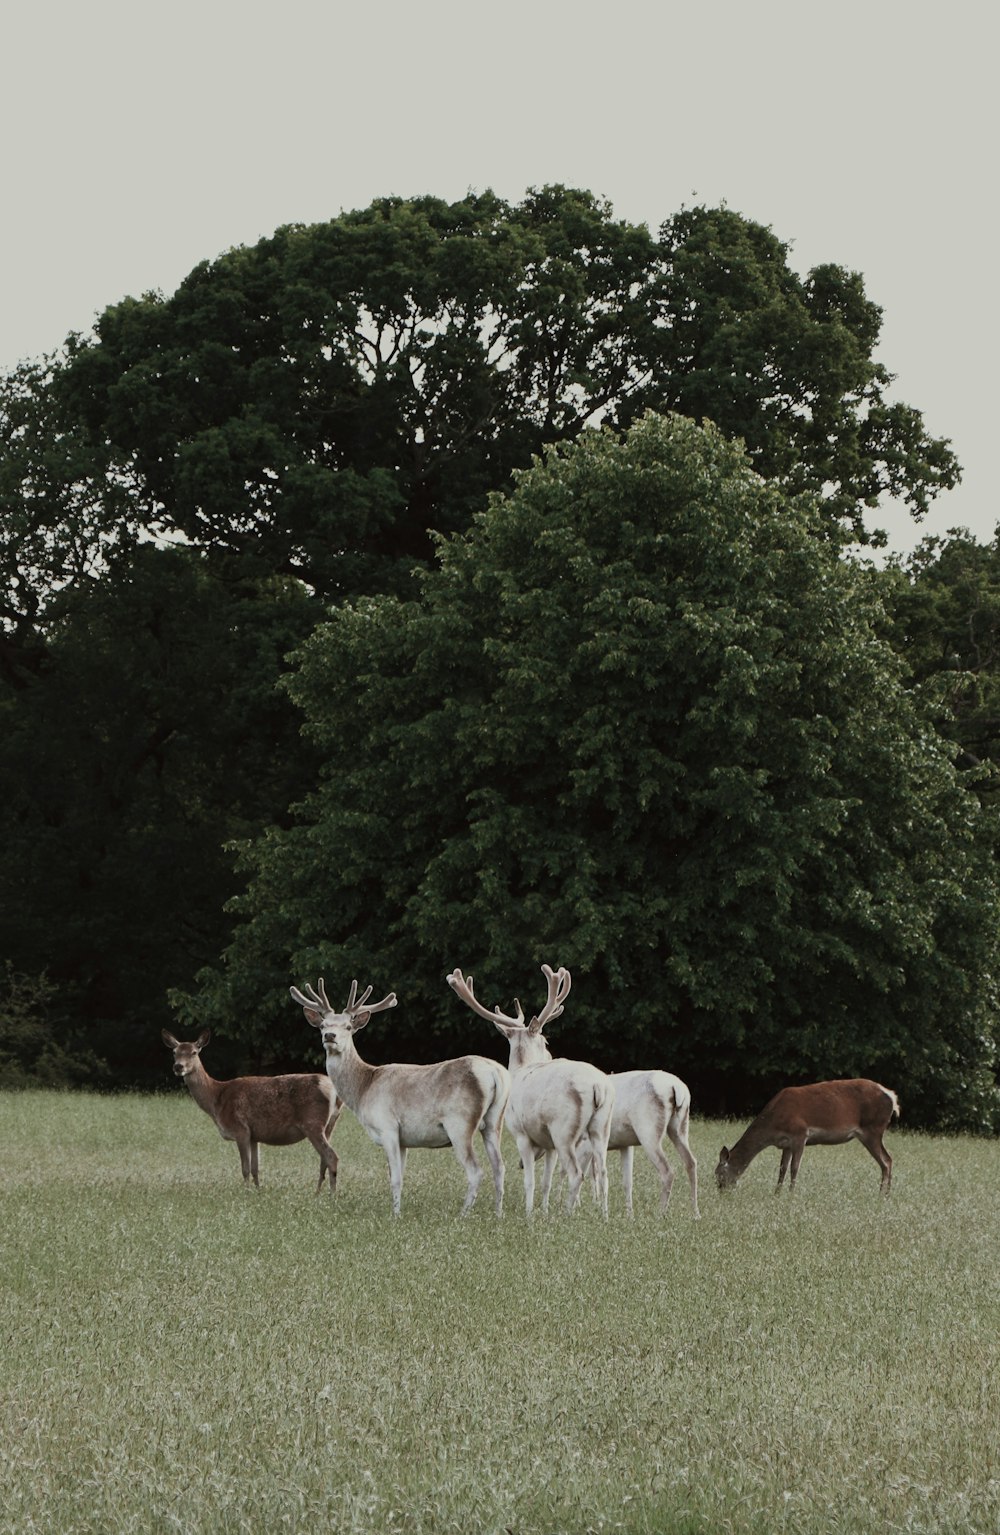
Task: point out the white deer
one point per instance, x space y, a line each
402 1106
649 1105
275 1111
557 1107
822 1114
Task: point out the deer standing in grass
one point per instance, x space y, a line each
823 1114
649 1105
402 1106
557 1107
274 1111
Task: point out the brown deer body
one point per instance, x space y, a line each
269 1111
823 1114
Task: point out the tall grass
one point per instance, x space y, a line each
180 1354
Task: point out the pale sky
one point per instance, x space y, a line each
143 138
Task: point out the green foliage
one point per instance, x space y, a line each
316 403
185 491
30 1053
152 735
787 364
639 723
944 602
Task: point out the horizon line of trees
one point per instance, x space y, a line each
314 450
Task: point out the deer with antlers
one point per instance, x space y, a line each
403 1107
558 1108
273 1111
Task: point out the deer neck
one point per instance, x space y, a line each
350 1075
203 1089
753 1140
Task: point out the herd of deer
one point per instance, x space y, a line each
557 1109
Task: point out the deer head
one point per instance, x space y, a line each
338 1029
528 1045
186 1054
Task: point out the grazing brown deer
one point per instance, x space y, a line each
823 1114
403 1106
557 1107
275 1111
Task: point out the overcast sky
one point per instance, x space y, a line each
141 139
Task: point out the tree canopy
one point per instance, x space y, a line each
627 726
317 403
944 606
188 490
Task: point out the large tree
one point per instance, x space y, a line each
628 726
316 403
285 431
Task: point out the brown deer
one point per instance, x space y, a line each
403 1106
823 1114
275 1111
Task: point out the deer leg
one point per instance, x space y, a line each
599 1164
527 1154
548 1168
491 1140
243 1142
786 1157
574 1171
664 1171
328 1160
678 1135
872 1141
797 1151
627 1158
461 1143
395 1155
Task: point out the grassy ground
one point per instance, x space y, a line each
177 1354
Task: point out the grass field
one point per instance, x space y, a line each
179 1354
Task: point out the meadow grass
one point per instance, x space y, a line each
181 1354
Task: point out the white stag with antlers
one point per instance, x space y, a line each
557 1107
403 1106
273 1111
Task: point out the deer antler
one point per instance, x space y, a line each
310 998
463 988
356 1004
558 983
318 999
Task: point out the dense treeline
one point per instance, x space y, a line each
282 494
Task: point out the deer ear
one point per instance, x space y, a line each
313 1017
203 1039
534 1027
359 1022
169 1040
724 1154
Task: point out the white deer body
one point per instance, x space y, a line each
410 1106
557 1108
821 1114
273 1111
649 1105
